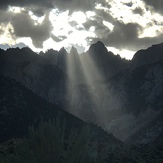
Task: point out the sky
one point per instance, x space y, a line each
124 26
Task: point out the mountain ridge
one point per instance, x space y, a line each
124 97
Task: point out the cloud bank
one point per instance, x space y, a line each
125 24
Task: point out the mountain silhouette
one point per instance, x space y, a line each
123 97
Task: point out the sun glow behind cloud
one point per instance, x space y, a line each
15 9
59 22
63 26
123 53
109 25
79 17
28 41
68 26
125 14
6 37
38 20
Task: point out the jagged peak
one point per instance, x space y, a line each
98 43
148 56
62 50
98 47
73 50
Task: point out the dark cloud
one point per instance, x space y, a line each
138 10
74 5
73 23
79 5
97 20
70 32
156 4
141 43
103 3
5 17
129 4
38 11
87 25
58 39
122 37
71 5
24 27
103 15
100 28
125 36
25 3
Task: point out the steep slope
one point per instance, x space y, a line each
101 64
138 92
19 108
36 73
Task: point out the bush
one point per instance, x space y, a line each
51 143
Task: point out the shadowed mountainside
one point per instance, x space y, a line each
21 108
124 97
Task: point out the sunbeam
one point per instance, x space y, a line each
84 70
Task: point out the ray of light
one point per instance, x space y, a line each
84 70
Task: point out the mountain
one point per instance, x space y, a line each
148 56
137 94
95 64
124 97
20 108
37 74
101 64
